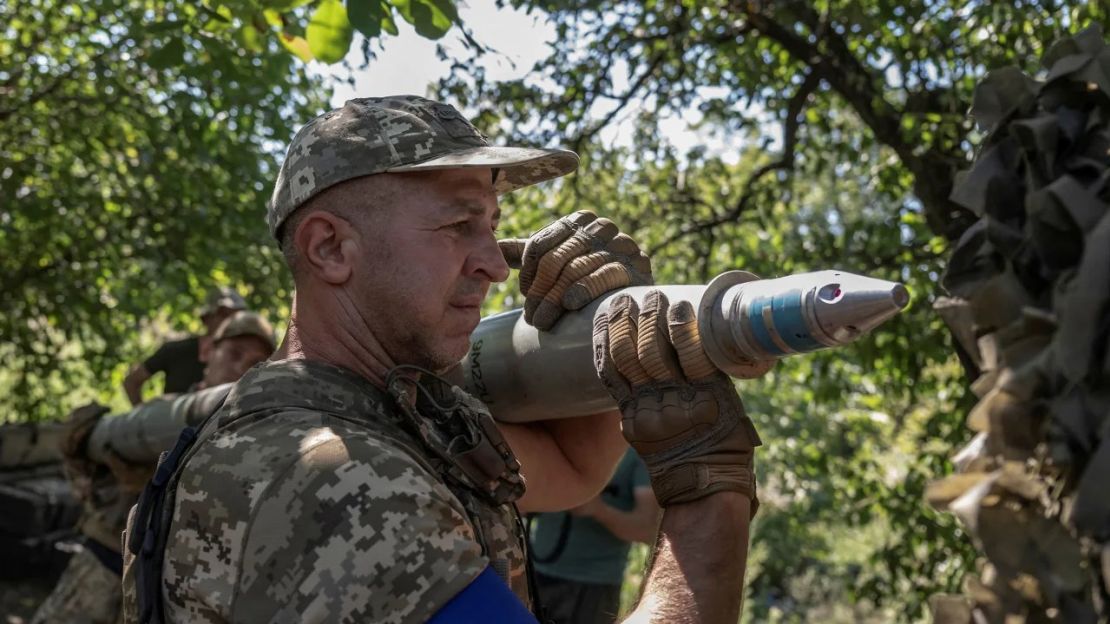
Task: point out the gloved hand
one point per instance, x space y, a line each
571 262
681 414
86 474
78 425
132 478
81 470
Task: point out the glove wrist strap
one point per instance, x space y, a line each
692 481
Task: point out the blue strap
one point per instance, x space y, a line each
486 599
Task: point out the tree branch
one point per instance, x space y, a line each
830 58
633 89
785 162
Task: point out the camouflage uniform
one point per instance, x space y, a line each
310 497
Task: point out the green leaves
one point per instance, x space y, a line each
330 29
329 32
297 45
154 128
878 142
431 18
320 30
371 17
170 54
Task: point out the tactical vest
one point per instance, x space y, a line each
448 432
467 451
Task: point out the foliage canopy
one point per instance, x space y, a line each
854 118
136 156
138 145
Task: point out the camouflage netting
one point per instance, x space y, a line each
1031 286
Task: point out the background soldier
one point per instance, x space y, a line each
89 589
580 555
183 360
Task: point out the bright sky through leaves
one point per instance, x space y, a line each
408 64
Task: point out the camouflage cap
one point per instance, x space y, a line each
394 134
223 297
244 323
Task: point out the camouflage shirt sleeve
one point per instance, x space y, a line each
353 530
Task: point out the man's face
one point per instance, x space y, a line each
231 357
426 263
213 319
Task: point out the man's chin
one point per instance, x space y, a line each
444 355
456 352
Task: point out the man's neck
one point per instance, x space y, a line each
337 335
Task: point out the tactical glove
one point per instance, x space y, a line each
681 414
81 470
85 473
131 477
571 262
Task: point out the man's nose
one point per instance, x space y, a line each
489 260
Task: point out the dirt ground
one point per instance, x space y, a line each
19 599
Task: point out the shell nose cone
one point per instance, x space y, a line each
900 296
864 304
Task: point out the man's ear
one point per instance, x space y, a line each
326 245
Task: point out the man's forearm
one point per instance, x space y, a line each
701 557
134 394
592 445
565 462
133 384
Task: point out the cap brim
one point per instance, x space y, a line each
517 166
230 304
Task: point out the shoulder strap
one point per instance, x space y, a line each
149 526
457 430
146 541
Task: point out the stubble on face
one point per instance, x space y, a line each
408 332
406 299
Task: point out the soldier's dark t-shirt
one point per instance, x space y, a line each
180 361
590 552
